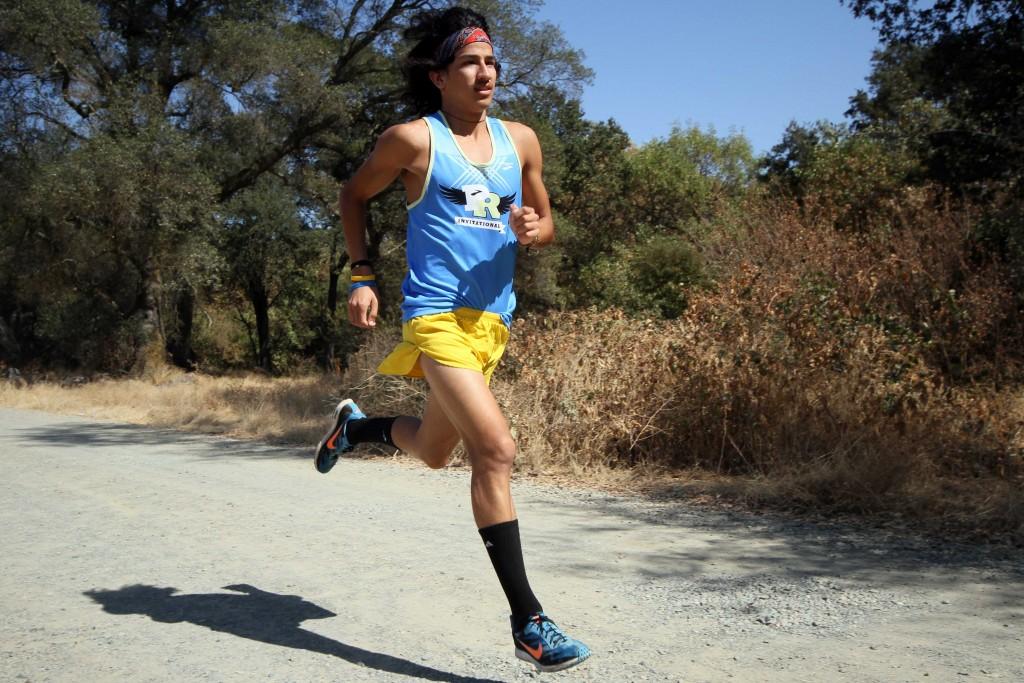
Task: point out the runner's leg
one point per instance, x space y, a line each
462 405
430 438
474 413
471 408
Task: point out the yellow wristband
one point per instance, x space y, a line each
363 278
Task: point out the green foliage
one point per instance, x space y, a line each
589 176
855 176
951 80
677 181
170 170
656 203
947 89
649 279
136 134
783 165
267 252
539 281
586 173
97 224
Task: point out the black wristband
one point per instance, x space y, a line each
361 262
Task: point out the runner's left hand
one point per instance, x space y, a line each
525 224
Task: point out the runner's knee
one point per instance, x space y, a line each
496 454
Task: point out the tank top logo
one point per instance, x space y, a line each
478 200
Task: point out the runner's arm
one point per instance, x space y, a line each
394 152
535 195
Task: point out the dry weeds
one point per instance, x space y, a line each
284 410
828 370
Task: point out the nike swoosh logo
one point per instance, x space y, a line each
332 442
533 652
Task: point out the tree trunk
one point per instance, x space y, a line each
328 319
261 308
180 346
10 350
332 283
149 347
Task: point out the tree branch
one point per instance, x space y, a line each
307 126
350 24
106 78
82 109
247 176
57 122
363 40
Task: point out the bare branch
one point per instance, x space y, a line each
106 78
82 109
57 122
247 176
350 24
364 39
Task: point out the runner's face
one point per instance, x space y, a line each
468 82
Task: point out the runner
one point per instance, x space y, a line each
475 195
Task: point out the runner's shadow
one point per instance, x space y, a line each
257 615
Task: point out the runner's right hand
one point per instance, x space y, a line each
362 307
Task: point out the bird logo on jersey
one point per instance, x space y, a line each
478 199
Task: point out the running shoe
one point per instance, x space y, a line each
541 643
335 442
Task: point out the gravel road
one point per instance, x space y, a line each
134 554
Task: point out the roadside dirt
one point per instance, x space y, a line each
146 555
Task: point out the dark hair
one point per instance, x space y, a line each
429 29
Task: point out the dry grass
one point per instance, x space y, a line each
829 371
292 410
284 410
665 406
635 405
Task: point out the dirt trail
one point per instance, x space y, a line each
147 555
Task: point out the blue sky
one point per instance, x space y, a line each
749 66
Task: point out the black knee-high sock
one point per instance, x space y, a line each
372 430
506 551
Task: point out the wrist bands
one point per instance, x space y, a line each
363 278
356 285
361 262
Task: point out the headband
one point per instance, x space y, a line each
459 40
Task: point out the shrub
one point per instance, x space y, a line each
856 371
651 278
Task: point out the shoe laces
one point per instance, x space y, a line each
550 631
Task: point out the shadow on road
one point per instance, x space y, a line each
666 539
84 434
685 550
258 615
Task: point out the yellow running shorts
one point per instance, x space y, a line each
463 338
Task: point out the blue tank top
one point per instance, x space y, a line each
460 248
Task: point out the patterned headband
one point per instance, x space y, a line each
459 40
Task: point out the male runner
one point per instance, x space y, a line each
464 174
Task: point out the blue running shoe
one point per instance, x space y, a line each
335 442
541 643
